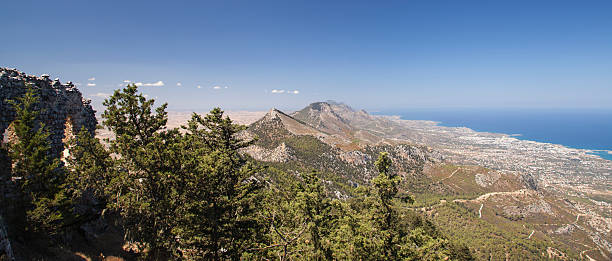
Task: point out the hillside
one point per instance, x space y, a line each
292 144
497 212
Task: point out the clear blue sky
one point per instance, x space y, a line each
374 55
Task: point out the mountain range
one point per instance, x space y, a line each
502 197
497 211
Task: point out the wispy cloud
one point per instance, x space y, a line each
101 95
216 87
276 91
179 84
90 84
92 79
124 83
153 84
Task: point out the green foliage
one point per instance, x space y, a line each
487 239
305 223
190 194
316 208
385 214
40 178
91 165
219 192
142 191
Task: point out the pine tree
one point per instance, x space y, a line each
190 195
40 178
142 191
221 195
91 169
386 216
316 207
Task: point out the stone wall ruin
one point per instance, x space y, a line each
62 107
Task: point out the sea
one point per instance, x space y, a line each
579 128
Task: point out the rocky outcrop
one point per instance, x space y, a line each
538 207
566 229
281 153
530 181
62 108
356 157
487 179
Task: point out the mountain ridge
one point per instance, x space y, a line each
513 203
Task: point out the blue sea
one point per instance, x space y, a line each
581 129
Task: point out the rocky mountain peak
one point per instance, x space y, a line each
274 114
320 106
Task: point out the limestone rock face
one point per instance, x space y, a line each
281 153
62 107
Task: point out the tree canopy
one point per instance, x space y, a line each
190 193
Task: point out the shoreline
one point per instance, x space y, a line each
603 154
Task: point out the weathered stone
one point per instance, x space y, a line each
61 106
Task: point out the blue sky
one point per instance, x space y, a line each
375 55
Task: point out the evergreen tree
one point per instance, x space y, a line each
221 196
386 216
142 191
280 213
91 169
316 208
40 178
191 195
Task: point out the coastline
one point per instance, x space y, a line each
604 154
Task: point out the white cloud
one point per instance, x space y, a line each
225 87
101 95
91 84
124 83
285 91
92 79
179 84
153 84
216 87
199 87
